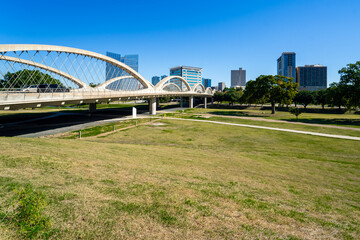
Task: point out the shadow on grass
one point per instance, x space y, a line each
349 122
326 121
280 109
16 123
27 123
237 114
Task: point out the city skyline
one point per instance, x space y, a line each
239 34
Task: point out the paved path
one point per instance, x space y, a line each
146 115
282 121
82 125
78 127
272 128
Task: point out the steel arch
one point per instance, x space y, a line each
196 85
52 48
172 84
47 68
161 84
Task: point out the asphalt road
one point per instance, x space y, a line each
61 121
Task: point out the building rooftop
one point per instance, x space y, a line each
313 65
187 67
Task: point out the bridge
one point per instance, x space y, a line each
47 75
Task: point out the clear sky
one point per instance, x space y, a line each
216 35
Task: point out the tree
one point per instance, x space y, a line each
26 77
275 89
94 84
350 83
304 97
233 95
219 96
295 111
252 95
164 99
290 92
337 95
321 98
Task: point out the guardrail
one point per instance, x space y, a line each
30 99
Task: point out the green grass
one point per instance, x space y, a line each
190 180
105 128
339 119
346 132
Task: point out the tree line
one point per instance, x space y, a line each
280 90
27 77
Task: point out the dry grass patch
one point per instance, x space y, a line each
189 180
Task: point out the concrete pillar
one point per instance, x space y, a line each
212 101
92 107
134 112
157 103
191 102
152 109
205 102
181 102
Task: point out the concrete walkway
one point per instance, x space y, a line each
272 128
146 115
283 121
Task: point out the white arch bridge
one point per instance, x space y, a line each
43 75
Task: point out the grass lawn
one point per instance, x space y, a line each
340 119
318 129
189 180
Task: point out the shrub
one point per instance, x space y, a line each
295 111
27 213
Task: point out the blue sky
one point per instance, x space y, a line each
216 35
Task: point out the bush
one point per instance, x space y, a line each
27 213
295 111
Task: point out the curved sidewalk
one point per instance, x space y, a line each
261 119
272 128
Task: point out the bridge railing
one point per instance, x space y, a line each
17 96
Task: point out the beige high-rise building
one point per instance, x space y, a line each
238 78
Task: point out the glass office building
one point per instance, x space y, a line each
193 75
286 65
311 77
206 82
155 80
113 72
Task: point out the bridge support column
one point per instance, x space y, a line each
205 102
92 107
191 102
157 103
181 102
152 106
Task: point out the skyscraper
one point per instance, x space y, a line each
221 86
286 65
155 80
113 72
206 82
311 77
238 78
193 75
